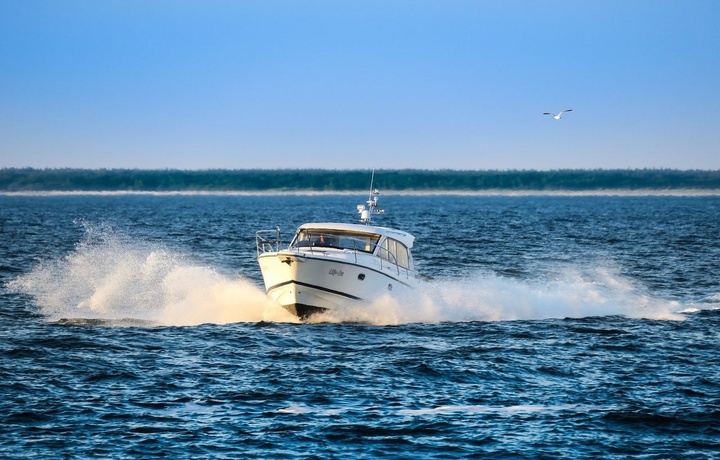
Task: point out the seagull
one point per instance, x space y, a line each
559 115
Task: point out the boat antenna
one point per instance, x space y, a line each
366 213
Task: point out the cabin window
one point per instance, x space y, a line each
336 239
395 252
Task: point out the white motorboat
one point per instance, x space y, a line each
330 266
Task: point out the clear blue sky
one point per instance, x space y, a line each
360 84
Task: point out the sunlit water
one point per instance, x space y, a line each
564 327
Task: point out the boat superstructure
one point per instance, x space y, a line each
328 266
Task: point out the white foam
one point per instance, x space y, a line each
488 297
465 410
112 277
506 410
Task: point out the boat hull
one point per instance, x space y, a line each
309 283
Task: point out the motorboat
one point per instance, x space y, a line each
331 266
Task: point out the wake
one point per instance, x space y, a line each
575 293
112 279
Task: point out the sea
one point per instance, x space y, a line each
552 326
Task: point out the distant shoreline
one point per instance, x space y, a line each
404 181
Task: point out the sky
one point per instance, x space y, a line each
391 84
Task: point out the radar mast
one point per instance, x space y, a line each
367 213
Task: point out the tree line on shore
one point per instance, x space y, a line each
67 179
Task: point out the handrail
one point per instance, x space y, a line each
270 241
264 243
391 258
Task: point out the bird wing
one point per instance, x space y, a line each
547 113
566 110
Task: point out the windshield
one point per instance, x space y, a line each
335 239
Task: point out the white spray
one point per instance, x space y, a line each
111 277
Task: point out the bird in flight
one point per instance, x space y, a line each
558 115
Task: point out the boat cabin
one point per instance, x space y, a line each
356 238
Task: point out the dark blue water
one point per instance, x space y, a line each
134 326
